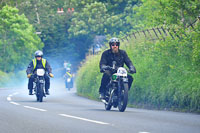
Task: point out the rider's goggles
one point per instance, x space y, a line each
115 44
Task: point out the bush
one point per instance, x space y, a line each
12 79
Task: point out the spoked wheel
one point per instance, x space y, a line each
108 106
37 94
123 98
41 93
67 86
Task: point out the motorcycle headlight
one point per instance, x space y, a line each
121 71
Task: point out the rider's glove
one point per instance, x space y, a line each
104 67
132 69
29 75
51 75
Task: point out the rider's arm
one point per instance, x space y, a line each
103 61
29 69
48 68
129 63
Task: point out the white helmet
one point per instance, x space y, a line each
38 53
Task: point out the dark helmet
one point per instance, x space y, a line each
113 41
38 53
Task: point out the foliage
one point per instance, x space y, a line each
168 78
69 35
12 79
17 40
167 70
152 13
91 21
89 72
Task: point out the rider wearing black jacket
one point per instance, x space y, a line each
39 63
107 58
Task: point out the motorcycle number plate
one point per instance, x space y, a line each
68 80
40 72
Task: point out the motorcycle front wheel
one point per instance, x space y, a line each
108 106
41 93
123 98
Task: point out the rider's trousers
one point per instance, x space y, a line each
47 82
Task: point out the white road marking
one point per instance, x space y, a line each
65 115
144 132
15 103
15 93
9 98
84 119
29 107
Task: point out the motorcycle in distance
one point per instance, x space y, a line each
68 77
38 84
117 90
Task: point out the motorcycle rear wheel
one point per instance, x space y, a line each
123 100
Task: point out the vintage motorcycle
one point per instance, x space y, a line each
117 89
39 84
68 77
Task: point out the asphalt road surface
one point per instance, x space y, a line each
65 112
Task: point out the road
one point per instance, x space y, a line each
65 112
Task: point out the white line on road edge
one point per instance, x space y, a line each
29 107
144 132
15 93
84 119
15 103
9 96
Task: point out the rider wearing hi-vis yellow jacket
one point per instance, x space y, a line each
35 64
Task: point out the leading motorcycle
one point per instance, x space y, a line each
117 89
38 84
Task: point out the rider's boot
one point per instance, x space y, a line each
102 95
30 92
47 92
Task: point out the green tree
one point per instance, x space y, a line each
152 13
17 40
71 34
91 21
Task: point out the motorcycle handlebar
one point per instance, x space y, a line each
104 68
